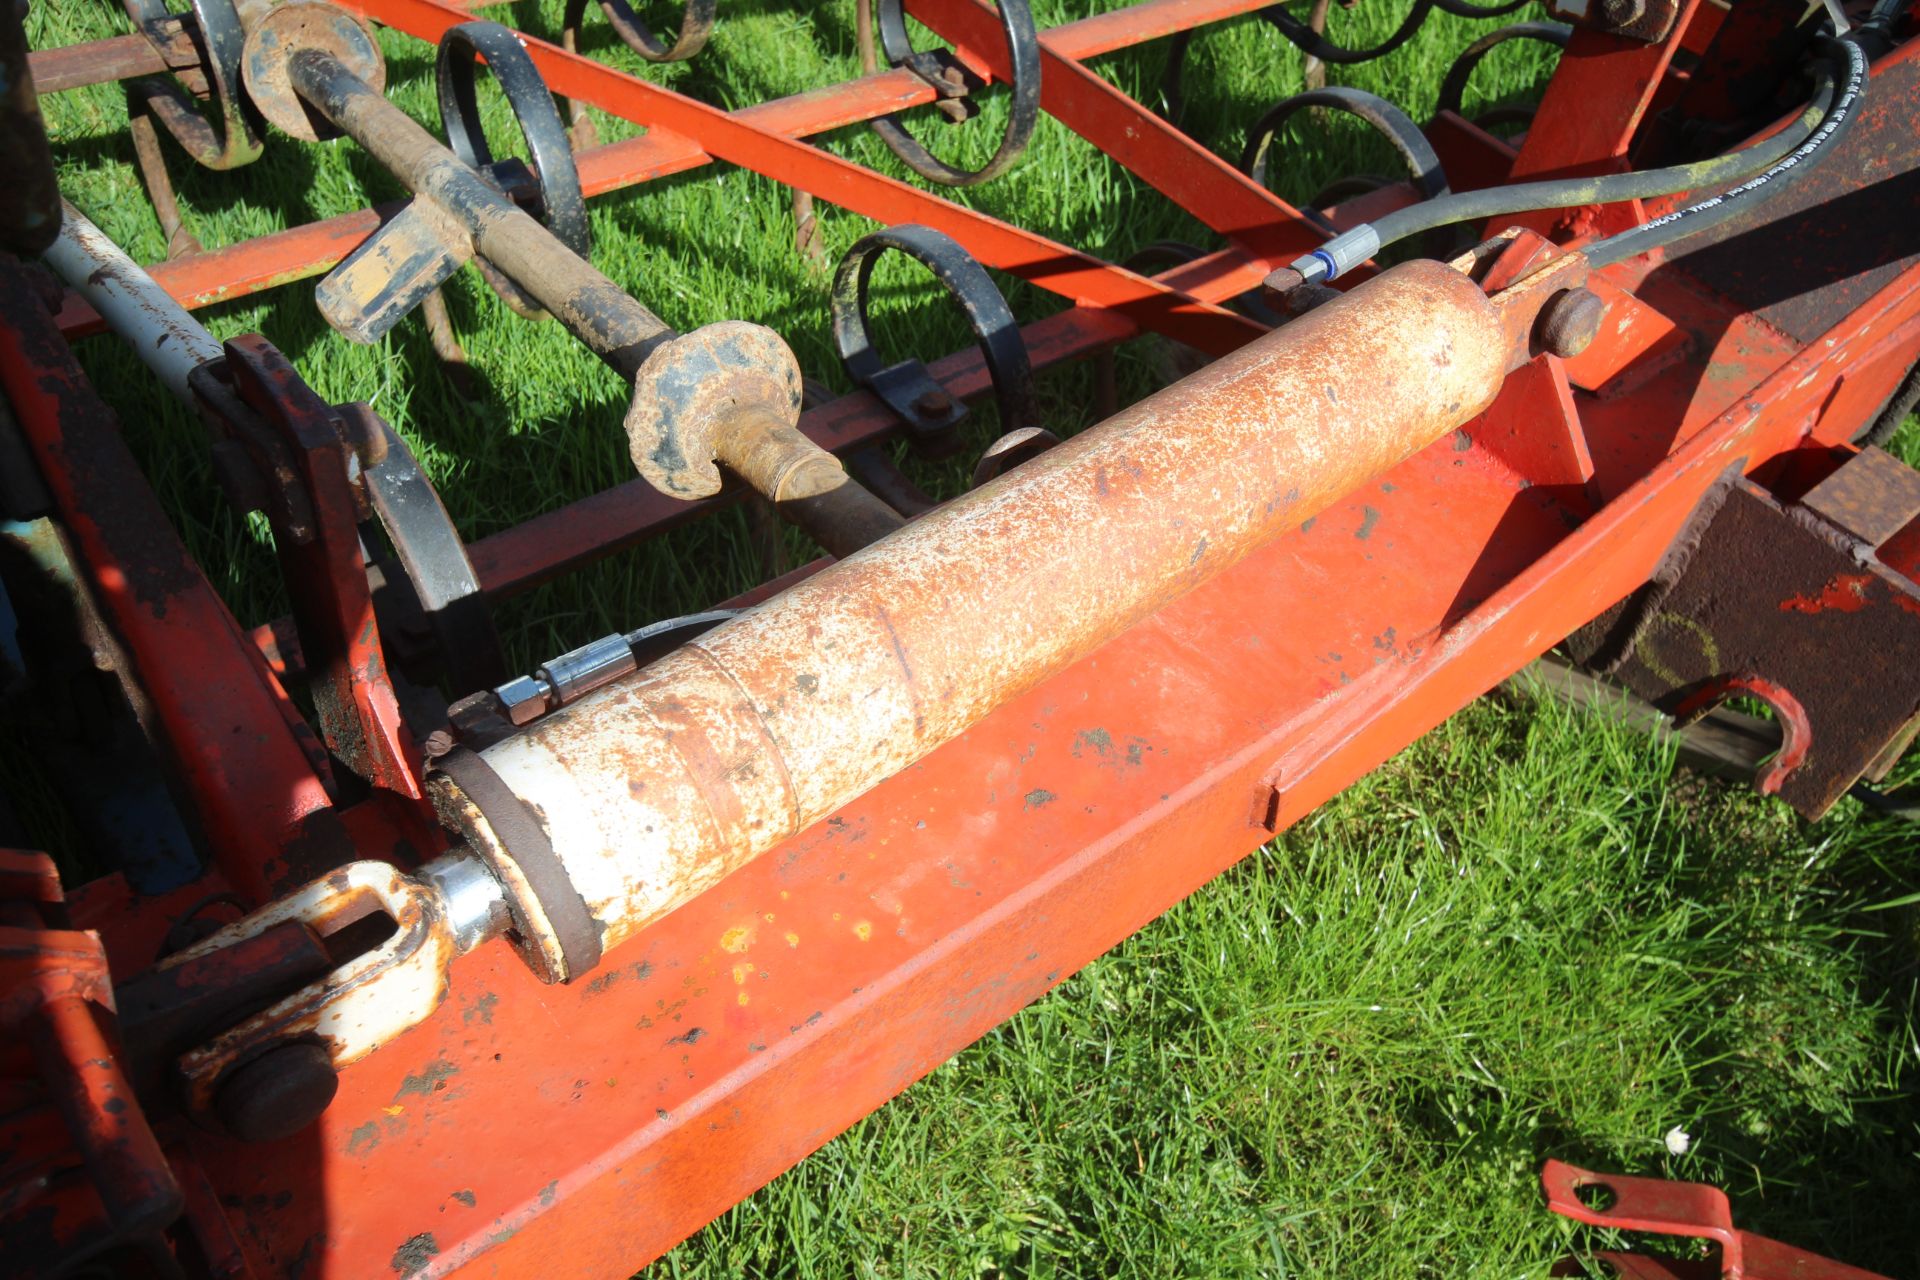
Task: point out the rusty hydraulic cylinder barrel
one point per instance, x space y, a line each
609 813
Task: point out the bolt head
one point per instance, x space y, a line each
278 1093
524 698
933 404
1569 322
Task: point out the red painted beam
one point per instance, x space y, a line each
729 1040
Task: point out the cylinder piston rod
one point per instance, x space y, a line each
605 815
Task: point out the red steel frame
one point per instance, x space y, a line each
537 1130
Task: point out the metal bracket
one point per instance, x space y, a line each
1023 55
907 387
1678 1209
1757 595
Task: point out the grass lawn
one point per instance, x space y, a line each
1526 936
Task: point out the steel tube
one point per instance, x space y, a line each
167 339
96 62
594 309
651 789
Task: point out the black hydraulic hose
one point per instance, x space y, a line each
1791 168
1840 83
1875 34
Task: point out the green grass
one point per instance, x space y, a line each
1347 1056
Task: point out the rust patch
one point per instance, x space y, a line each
1099 741
363 1139
413 1256
1039 797
430 1080
481 1009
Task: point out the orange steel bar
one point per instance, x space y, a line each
1034 258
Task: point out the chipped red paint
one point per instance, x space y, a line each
1846 593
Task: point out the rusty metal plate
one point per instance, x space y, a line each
1774 597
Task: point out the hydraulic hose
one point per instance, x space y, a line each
1790 169
1840 82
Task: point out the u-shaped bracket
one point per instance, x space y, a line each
907 387
1796 731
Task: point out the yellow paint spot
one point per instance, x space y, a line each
393 1111
836 915
742 997
793 939
784 895
863 929
737 939
741 972
768 917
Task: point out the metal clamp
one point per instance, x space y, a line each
235 140
1454 87
1386 119
907 387
1023 55
563 205
695 27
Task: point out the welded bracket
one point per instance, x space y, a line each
1758 595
